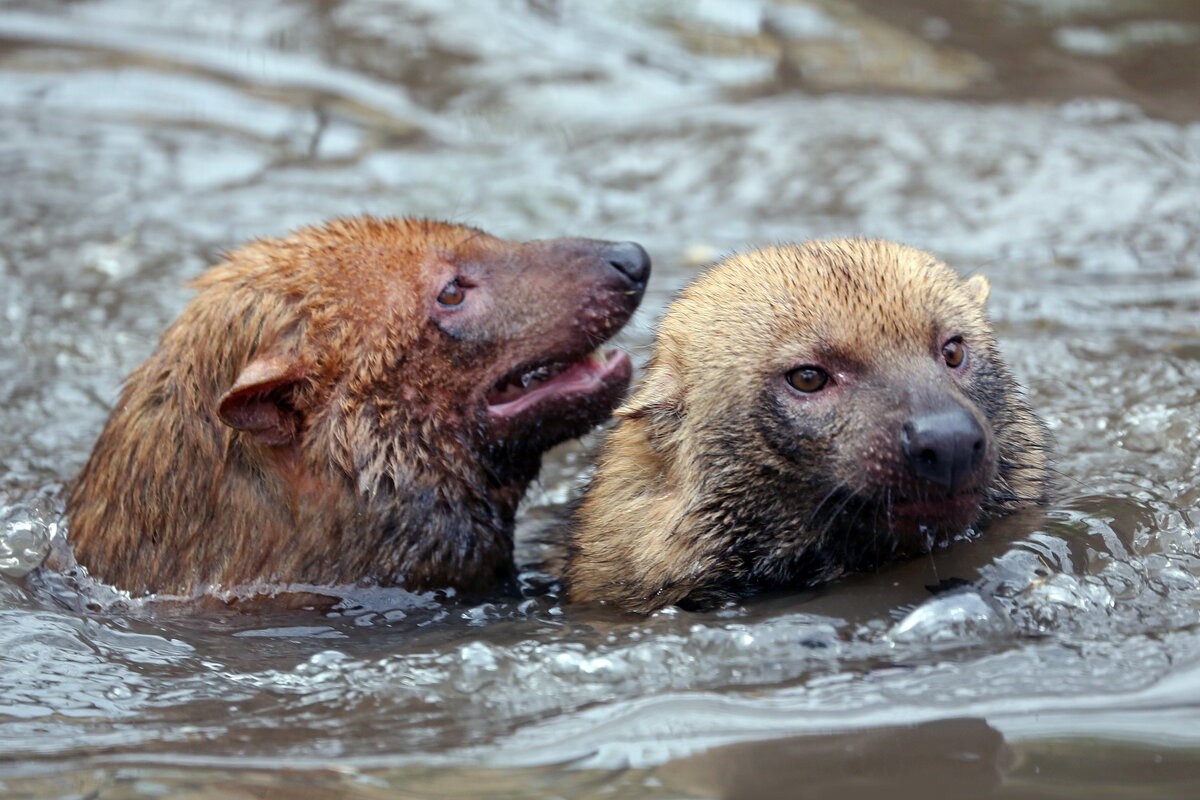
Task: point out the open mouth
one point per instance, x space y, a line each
557 380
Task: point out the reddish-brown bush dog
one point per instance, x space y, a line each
364 401
808 410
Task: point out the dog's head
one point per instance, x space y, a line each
844 389
412 343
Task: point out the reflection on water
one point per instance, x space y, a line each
1051 144
946 758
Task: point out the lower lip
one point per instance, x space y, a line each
934 510
583 378
918 526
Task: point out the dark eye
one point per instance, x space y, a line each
954 352
452 295
808 379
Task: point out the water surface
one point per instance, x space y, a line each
1051 145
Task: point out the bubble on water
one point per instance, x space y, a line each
483 613
478 666
26 530
321 666
478 655
1174 579
119 692
1150 428
1122 580
954 617
1063 602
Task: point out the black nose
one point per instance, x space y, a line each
945 446
630 259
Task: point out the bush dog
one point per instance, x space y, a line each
364 401
808 410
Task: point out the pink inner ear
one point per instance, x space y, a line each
261 417
257 401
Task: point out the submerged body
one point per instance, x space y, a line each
364 401
808 410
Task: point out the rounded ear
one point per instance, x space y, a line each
978 287
658 395
260 401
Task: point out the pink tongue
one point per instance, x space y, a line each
581 377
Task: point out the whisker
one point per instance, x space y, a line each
816 509
828 526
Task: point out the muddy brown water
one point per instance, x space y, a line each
1052 145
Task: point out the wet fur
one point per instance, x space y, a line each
718 483
309 420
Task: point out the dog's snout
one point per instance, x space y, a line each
630 259
946 446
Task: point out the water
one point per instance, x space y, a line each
1052 145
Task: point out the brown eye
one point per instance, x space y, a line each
452 295
808 379
955 352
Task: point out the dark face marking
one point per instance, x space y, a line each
907 453
513 330
809 409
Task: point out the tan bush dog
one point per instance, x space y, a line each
808 410
364 401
